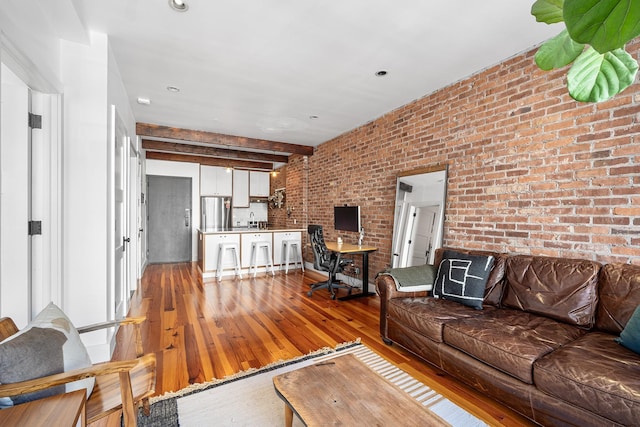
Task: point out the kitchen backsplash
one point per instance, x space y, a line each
242 216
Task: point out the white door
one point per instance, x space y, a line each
120 237
422 237
135 221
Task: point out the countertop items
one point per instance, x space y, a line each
248 230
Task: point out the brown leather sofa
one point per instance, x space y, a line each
543 344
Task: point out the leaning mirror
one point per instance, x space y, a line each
419 216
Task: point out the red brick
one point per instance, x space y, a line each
542 175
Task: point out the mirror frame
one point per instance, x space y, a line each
402 207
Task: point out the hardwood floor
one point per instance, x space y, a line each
203 330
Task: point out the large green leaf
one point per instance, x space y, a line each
558 52
604 24
547 11
596 77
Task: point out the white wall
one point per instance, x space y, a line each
84 71
84 75
30 44
188 170
14 200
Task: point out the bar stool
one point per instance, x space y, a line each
255 248
287 247
223 248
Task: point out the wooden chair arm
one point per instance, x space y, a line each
7 328
112 323
37 384
137 380
135 321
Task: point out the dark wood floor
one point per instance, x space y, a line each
204 330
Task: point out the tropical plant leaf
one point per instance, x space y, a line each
558 52
596 77
547 11
604 24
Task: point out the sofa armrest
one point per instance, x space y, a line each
386 289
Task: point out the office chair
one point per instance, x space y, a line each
325 260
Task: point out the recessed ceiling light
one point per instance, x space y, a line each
173 89
381 73
178 5
144 101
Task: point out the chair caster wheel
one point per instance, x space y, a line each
333 296
309 293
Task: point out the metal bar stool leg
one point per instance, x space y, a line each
267 248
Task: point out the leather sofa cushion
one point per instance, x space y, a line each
509 340
594 373
619 293
559 288
428 315
495 284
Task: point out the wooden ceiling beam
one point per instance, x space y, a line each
166 132
209 161
177 147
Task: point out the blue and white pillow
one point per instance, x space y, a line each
463 278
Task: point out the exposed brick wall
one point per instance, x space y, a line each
278 217
293 178
530 170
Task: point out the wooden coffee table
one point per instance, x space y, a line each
344 391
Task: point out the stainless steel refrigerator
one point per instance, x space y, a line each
216 213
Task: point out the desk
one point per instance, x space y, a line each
346 248
59 410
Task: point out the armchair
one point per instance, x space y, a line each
118 384
325 260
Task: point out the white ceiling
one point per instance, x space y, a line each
262 68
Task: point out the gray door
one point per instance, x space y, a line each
169 217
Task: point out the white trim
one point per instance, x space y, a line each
25 69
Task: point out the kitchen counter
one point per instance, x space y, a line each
209 240
248 230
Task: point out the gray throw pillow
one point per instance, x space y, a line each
33 354
50 344
463 278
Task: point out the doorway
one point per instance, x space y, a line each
169 219
423 228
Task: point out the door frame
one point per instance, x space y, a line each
45 252
118 219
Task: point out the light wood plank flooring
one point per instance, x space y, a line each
203 330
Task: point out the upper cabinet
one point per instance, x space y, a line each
259 184
215 181
240 188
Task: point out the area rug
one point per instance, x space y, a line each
249 398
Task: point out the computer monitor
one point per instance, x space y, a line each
346 218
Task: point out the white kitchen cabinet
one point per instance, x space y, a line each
211 248
278 237
247 240
240 188
259 184
215 181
